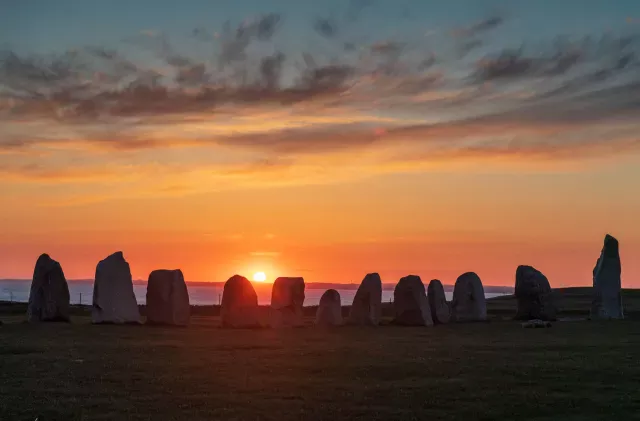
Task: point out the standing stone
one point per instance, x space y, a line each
167 298
410 303
329 311
49 294
367 303
440 312
534 295
287 298
468 303
239 304
113 297
607 303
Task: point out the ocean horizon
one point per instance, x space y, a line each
210 293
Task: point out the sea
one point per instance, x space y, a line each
81 292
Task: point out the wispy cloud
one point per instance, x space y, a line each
265 116
479 27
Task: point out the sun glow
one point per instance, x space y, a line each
259 277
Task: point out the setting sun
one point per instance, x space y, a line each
259 277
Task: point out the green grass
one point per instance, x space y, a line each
497 370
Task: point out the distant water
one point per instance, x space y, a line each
82 293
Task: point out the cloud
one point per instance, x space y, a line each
600 58
266 116
479 27
327 27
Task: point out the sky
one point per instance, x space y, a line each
320 139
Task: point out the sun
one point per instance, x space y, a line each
259 277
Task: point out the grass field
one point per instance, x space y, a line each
572 371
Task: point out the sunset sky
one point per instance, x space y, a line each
321 139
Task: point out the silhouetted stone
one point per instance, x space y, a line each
468 304
410 303
167 298
239 304
49 294
113 297
534 295
607 303
440 312
329 311
287 298
367 303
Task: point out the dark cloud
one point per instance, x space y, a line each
327 27
583 60
262 28
271 70
467 46
349 46
508 64
234 42
193 75
479 27
388 48
427 63
330 78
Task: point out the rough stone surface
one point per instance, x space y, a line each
607 303
287 298
536 323
113 297
534 295
440 311
468 304
49 294
367 303
410 303
167 298
329 311
239 304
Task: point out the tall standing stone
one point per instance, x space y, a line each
367 303
49 294
410 303
329 311
440 311
167 298
607 303
468 304
239 304
113 298
534 295
287 299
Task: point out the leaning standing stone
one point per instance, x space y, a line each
367 303
607 303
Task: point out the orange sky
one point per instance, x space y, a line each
445 140
436 225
